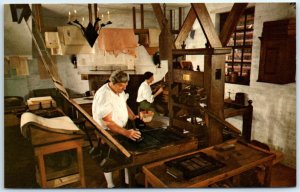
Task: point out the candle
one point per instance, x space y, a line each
82 21
108 17
98 12
75 12
69 16
102 18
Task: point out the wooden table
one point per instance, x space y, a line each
231 109
45 142
242 158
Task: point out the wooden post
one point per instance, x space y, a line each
214 88
180 17
95 11
247 122
165 51
90 13
142 16
134 17
171 20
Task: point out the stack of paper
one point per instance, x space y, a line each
58 124
41 102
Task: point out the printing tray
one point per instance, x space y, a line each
193 165
152 138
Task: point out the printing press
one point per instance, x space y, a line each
195 110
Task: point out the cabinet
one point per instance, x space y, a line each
278 52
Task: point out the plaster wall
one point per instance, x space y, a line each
274 106
17 41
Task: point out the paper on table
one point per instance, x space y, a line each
58 124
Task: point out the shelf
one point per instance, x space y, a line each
241 33
185 125
188 107
237 67
202 51
238 61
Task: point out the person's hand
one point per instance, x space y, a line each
133 117
160 90
134 134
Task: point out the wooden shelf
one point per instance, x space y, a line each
201 51
238 61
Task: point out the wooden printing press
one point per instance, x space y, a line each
119 152
189 132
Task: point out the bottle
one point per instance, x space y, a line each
198 68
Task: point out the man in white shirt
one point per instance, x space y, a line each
111 111
145 97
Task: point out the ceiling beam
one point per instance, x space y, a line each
231 22
185 28
207 24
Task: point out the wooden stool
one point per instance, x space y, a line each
44 143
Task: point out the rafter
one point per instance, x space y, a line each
158 13
206 24
185 28
231 22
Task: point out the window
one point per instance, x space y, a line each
238 62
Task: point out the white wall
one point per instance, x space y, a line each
17 41
274 106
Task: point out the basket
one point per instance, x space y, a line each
146 116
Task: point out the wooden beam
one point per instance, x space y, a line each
158 13
90 13
202 51
185 28
95 11
141 31
206 24
171 20
20 11
13 10
134 17
231 22
37 12
180 17
142 16
214 86
105 135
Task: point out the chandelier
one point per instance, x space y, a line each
91 31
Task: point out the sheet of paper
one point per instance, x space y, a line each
58 124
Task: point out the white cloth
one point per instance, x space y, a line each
105 102
145 93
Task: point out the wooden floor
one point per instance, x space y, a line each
20 169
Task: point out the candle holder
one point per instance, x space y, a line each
91 31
